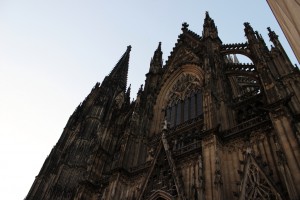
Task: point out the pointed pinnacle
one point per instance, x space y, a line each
207 15
128 93
141 89
208 21
156 60
129 89
159 46
119 73
272 34
158 50
248 26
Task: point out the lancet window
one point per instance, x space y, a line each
185 100
183 110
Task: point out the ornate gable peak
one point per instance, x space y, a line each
162 169
182 55
187 39
189 32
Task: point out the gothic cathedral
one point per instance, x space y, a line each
204 126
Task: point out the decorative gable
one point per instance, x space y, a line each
161 177
255 183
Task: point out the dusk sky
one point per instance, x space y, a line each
53 52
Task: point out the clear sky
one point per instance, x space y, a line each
53 52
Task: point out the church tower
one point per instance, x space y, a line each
204 126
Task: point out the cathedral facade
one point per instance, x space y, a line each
204 126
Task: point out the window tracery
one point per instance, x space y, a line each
184 100
255 184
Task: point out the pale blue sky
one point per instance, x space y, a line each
53 52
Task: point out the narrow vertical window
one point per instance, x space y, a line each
178 113
168 114
186 110
173 114
192 107
199 104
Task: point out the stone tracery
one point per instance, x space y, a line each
183 88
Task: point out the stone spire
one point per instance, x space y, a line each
118 76
156 62
287 67
209 27
127 95
273 37
249 33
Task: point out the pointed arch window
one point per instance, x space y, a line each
184 110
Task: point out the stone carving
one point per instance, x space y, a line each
184 86
255 184
119 100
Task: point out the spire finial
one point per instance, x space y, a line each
272 34
209 27
156 61
207 14
127 95
159 46
248 28
129 88
141 89
249 32
247 25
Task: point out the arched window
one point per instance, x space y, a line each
184 110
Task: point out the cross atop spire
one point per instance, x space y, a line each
185 26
